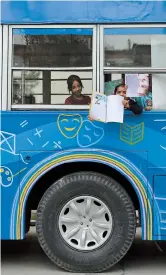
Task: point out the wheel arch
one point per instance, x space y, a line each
109 166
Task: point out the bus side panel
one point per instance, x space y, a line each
84 12
10 170
159 183
28 138
50 134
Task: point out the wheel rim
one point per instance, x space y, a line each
85 223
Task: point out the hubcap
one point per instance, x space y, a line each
85 223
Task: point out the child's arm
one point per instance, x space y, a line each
131 105
134 107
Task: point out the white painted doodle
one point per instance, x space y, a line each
164 128
8 143
45 144
163 147
23 123
6 176
159 119
38 132
89 134
57 145
30 141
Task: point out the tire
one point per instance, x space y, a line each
28 221
123 230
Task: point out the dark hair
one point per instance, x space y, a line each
71 79
116 88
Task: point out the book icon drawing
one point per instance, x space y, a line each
132 134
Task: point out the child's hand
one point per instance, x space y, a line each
148 108
90 118
126 103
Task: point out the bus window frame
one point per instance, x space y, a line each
125 70
4 66
93 68
1 70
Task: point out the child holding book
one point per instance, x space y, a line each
128 103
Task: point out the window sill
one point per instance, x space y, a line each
49 107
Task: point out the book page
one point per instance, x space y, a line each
98 107
115 109
137 84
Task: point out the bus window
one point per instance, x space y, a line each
46 87
42 61
136 51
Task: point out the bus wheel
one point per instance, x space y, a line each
85 222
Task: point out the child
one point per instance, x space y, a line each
145 98
128 103
75 87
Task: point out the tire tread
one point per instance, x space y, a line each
100 180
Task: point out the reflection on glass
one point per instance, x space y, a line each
52 48
28 74
127 50
141 50
26 86
48 87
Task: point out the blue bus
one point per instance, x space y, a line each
84 178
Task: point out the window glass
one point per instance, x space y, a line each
48 87
26 86
36 51
52 47
152 96
59 87
135 47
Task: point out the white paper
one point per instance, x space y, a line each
98 107
115 109
136 84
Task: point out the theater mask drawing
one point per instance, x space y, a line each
69 125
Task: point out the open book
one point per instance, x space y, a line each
107 108
137 84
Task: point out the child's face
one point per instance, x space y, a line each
76 88
143 83
121 91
